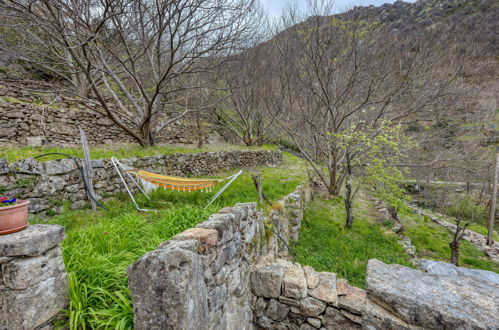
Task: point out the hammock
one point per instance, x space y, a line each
151 181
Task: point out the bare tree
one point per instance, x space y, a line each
248 112
137 55
342 70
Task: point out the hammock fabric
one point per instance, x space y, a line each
153 180
175 183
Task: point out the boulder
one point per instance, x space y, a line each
311 306
443 268
168 290
433 301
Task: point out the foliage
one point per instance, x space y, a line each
327 246
100 246
467 210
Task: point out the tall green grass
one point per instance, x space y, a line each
100 246
126 151
327 245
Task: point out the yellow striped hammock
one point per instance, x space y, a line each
150 181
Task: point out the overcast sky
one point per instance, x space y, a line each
274 6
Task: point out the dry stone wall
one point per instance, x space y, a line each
232 272
51 119
201 278
49 183
33 283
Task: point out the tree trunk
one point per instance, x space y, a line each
348 204
199 131
348 195
454 253
492 216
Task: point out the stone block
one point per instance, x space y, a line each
168 290
32 241
334 319
207 238
267 281
276 310
354 300
311 306
294 284
326 289
311 276
23 273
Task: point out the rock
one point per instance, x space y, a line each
341 286
433 301
78 205
315 322
104 122
326 289
443 268
38 204
311 276
34 141
307 326
311 306
167 288
289 301
217 297
334 319
294 284
23 273
33 307
207 238
32 241
277 311
48 185
377 318
26 166
267 281
57 167
354 300
4 166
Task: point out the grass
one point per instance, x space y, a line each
126 151
100 246
432 242
327 245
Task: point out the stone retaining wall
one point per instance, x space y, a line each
33 284
201 278
54 119
49 183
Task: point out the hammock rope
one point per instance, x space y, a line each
151 181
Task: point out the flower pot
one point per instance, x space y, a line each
14 218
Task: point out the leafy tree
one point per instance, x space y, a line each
371 155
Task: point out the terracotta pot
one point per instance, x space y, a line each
14 218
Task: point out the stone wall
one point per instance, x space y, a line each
49 183
232 272
54 119
201 278
33 284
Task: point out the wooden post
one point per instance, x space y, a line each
87 169
492 218
259 178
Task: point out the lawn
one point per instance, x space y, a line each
327 245
432 242
122 151
100 246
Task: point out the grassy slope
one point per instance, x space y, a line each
327 245
432 242
126 151
100 246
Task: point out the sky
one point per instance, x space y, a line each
274 6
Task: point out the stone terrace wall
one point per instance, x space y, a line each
201 278
26 114
47 184
33 284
